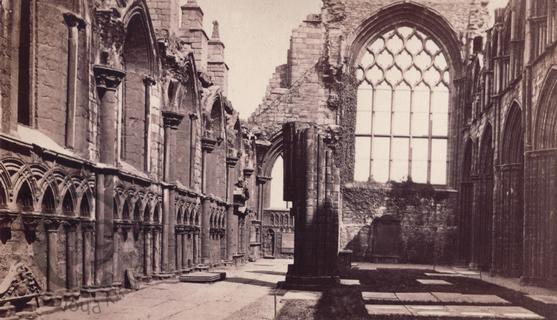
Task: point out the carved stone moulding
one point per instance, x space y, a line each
107 78
172 119
208 144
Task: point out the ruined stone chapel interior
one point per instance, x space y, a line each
411 132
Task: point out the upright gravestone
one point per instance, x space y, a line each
312 183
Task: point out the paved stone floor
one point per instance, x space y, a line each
369 292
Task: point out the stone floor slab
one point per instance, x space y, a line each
545 299
416 297
379 296
349 282
387 310
302 295
434 282
428 311
480 299
442 274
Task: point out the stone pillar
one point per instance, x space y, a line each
71 258
168 250
178 248
116 274
231 233
107 80
147 242
52 278
206 208
88 252
74 23
149 83
155 254
184 251
312 183
196 247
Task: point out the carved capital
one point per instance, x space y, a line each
30 222
194 116
232 161
74 21
70 225
172 119
6 220
263 179
149 81
107 78
248 172
51 225
208 144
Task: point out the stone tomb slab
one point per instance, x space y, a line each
202 277
387 310
442 274
349 282
434 282
498 312
379 297
416 297
302 295
476 299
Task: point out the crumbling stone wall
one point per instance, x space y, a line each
325 94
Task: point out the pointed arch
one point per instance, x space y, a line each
85 207
545 128
48 201
126 210
179 214
147 212
24 198
512 144
157 214
486 151
136 211
408 13
68 204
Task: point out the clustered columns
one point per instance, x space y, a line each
88 234
171 122
206 208
312 183
231 218
71 257
107 80
149 83
74 24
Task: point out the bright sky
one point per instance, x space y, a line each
256 34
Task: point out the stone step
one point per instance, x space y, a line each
401 312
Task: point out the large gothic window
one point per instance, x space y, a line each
402 111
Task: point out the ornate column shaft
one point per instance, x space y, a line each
71 258
52 279
178 240
205 231
147 242
74 24
87 229
168 250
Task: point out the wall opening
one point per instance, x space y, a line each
24 102
277 186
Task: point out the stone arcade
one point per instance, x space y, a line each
120 153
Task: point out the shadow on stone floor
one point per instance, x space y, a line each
252 282
347 302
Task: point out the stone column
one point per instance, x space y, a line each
52 278
168 250
88 252
74 23
196 247
312 183
147 242
115 261
179 250
206 208
155 254
184 251
107 79
149 83
231 232
71 259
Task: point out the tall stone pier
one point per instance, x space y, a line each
312 183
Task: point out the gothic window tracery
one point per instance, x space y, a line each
403 108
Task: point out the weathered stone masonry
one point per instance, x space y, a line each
119 150
495 210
